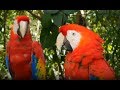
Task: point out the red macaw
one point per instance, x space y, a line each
84 59
25 59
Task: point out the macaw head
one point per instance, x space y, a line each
73 36
21 25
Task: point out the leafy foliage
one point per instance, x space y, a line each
107 24
51 21
44 28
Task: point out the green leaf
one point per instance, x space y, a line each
54 30
0 28
64 19
51 11
57 19
1 20
46 20
44 38
69 11
48 36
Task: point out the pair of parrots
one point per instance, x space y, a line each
84 60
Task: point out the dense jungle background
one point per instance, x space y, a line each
44 26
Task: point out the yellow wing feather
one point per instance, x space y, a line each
41 70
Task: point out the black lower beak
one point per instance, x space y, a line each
19 33
66 45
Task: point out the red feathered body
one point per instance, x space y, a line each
20 51
87 59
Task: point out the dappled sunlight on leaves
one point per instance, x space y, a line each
44 25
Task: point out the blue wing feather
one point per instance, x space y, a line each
7 62
34 63
8 65
34 69
92 77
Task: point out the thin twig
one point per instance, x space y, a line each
34 15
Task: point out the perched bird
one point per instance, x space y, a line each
84 59
24 59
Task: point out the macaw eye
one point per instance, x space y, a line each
73 34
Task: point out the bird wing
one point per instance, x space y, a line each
38 62
7 59
102 70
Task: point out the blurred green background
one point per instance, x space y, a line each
44 26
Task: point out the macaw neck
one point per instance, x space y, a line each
86 54
14 37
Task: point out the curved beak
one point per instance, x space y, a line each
22 29
66 45
62 43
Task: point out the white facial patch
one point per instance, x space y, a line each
23 27
15 26
74 38
59 41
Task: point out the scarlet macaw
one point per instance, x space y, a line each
25 59
84 59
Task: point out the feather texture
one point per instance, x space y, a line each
39 57
23 55
38 69
34 69
87 58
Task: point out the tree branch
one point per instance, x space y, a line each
4 25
